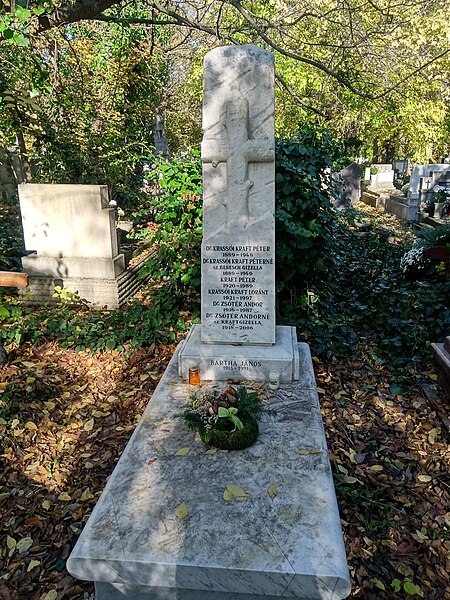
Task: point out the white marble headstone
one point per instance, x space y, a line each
238 154
68 220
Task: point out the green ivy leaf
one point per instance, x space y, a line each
21 40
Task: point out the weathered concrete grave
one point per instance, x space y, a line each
423 179
383 179
238 338
162 529
71 232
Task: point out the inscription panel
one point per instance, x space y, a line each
238 297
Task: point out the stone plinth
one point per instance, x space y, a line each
238 155
288 544
220 362
442 355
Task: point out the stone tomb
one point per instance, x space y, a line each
286 544
238 338
71 235
423 180
162 529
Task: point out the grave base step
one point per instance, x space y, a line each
220 362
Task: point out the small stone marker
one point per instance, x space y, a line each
238 154
238 338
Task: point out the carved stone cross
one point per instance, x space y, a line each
237 149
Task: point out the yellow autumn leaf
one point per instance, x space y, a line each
433 376
28 364
228 496
31 425
33 563
238 492
49 404
349 479
10 542
272 490
45 505
162 422
182 451
14 423
308 452
181 511
51 595
89 425
64 497
159 448
321 391
86 495
211 451
424 478
3 385
375 468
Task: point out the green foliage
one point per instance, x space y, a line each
11 236
434 236
136 325
176 206
364 303
302 207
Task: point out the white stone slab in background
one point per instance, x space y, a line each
238 154
68 220
287 546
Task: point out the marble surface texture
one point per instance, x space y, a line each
238 155
287 544
220 362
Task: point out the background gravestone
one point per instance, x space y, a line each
349 184
71 236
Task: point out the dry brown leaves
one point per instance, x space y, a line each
70 416
391 456
64 425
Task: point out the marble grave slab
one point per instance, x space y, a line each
269 546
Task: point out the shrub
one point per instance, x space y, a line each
303 208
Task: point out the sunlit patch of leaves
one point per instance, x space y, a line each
65 418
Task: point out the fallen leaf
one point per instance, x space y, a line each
64 497
308 452
33 563
424 478
89 425
182 451
227 495
10 542
24 544
51 595
181 511
272 490
45 505
237 492
375 468
86 495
